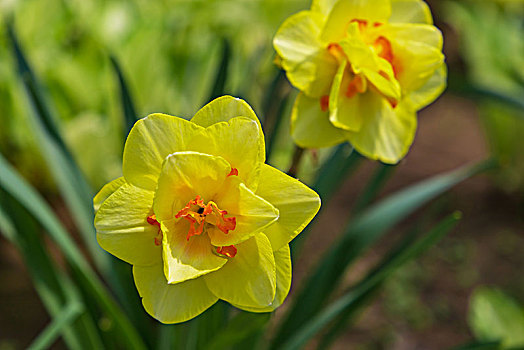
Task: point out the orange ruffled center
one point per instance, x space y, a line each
358 83
198 213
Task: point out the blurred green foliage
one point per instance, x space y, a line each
491 42
495 316
169 51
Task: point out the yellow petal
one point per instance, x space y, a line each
387 133
186 175
150 141
323 6
344 112
186 259
249 278
416 60
253 213
106 191
423 33
239 141
122 228
410 11
283 281
310 125
430 91
365 60
171 303
297 205
308 64
343 12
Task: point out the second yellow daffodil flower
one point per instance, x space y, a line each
364 68
199 214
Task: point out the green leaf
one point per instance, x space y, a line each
403 252
240 327
128 107
351 301
46 338
68 176
30 83
337 168
373 187
54 288
494 316
479 346
22 192
221 77
361 233
75 190
273 108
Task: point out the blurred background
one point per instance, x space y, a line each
170 53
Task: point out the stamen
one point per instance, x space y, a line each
229 251
384 75
357 85
224 224
234 172
384 50
362 24
204 213
324 103
337 51
383 47
151 220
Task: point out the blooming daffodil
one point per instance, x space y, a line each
364 68
199 214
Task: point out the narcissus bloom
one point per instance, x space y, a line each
364 68
200 216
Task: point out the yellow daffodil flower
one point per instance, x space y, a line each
364 68
200 216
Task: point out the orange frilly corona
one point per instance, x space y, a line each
199 214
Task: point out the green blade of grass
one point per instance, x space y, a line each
68 176
343 161
16 186
54 288
48 336
168 336
352 300
385 267
26 73
373 187
75 191
128 107
242 326
274 106
337 168
363 231
459 85
494 345
222 71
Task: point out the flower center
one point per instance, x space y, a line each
358 83
198 213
